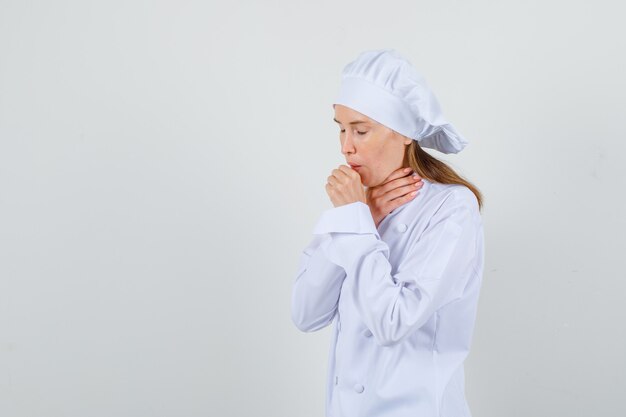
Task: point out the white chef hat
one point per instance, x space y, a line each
384 86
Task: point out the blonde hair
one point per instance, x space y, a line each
429 167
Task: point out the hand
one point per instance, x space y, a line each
395 191
344 186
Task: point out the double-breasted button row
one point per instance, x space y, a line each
357 387
401 227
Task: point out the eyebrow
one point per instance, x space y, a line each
356 122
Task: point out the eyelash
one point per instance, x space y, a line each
360 133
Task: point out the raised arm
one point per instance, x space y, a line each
433 271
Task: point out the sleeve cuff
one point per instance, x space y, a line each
349 218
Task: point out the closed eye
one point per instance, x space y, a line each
360 133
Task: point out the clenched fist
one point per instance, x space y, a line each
344 186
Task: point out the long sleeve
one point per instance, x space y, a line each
316 287
433 271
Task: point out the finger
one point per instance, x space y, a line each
399 173
394 204
404 190
394 176
394 199
332 180
347 170
338 174
400 183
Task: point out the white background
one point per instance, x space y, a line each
162 164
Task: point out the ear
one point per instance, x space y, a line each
406 140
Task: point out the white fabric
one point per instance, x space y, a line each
403 299
385 87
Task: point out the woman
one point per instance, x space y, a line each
397 265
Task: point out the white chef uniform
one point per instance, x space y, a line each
403 298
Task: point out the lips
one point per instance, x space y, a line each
354 165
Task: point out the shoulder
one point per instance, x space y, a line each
464 196
455 197
456 194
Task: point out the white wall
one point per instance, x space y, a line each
162 164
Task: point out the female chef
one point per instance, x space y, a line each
398 265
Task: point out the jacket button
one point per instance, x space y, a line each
359 388
401 227
367 333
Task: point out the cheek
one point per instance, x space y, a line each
375 151
381 159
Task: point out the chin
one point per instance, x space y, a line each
367 182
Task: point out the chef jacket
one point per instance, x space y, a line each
403 299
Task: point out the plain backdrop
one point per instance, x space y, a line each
162 165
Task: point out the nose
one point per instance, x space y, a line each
347 144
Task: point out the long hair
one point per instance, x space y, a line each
429 167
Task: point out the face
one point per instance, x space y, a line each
376 148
